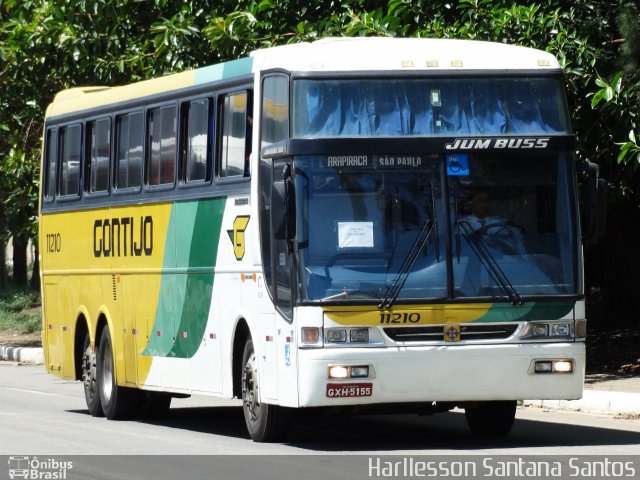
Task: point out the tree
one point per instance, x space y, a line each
49 45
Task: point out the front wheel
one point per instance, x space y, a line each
491 419
117 402
265 422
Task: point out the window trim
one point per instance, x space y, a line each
51 133
184 137
219 133
116 161
87 160
148 150
58 186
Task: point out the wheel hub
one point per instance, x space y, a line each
250 394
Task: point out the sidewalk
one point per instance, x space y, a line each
603 394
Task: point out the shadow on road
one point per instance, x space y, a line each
389 433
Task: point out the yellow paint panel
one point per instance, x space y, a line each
104 261
85 98
407 315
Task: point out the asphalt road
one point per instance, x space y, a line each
41 414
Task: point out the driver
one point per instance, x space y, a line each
495 230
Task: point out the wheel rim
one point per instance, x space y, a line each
89 370
250 396
107 373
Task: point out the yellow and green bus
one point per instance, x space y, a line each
357 224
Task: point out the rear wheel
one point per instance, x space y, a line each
265 422
491 419
90 378
117 402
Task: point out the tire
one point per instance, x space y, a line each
90 378
491 419
265 422
117 402
156 405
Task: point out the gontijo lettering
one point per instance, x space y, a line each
123 237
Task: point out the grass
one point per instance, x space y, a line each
20 310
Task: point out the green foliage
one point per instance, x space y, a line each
20 310
49 45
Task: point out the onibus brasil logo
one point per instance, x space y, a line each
38 469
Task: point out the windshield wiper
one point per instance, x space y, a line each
403 273
489 262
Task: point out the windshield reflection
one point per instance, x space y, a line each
512 225
356 228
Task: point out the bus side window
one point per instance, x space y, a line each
237 123
98 155
70 160
161 151
129 148
197 130
51 157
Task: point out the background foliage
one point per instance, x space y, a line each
49 45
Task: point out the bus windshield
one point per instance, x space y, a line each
367 223
428 107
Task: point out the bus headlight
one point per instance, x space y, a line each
542 330
553 366
335 335
346 335
348 371
360 335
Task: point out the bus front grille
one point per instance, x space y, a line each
436 333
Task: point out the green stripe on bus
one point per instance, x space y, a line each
505 312
199 287
184 299
234 68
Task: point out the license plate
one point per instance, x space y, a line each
343 390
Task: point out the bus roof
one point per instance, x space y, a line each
326 55
418 54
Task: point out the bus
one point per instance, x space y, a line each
356 225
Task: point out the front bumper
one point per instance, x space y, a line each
458 373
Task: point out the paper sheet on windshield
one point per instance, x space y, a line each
355 234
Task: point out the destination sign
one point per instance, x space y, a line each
373 161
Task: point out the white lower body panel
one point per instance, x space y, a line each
444 373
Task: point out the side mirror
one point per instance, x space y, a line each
595 205
283 207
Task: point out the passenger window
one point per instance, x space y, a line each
50 161
70 158
197 130
99 154
237 124
161 164
129 147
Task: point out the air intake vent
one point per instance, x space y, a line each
436 333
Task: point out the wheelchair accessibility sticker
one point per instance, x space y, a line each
457 164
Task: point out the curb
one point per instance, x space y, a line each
595 401
22 354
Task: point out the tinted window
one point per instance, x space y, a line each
162 146
196 134
99 135
50 159
70 158
275 110
130 130
236 135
